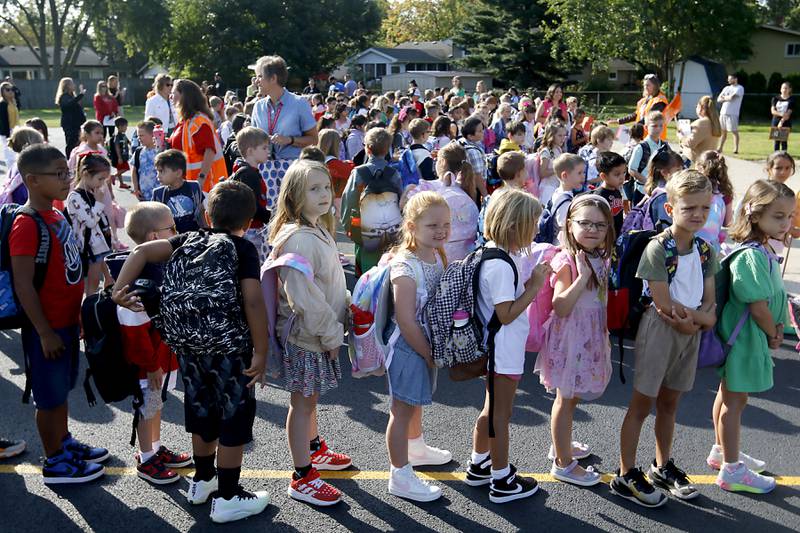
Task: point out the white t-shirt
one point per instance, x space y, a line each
687 285
732 107
496 285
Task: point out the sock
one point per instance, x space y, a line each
315 444
394 469
477 457
145 456
204 467
301 471
502 473
157 445
716 448
228 481
731 467
418 442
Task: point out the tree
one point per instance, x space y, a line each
504 38
423 20
653 35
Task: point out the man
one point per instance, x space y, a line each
731 100
350 86
219 86
311 88
334 86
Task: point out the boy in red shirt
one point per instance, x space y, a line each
50 340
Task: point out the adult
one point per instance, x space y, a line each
480 89
106 108
9 118
731 100
553 99
705 131
115 90
334 86
457 89
350 85
781 109
252 89
159 104
652 100
218 86
311 88
196 137
17 92
72 115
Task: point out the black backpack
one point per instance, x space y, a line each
548 230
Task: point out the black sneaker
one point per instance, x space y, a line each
480 474
670 477
512 487
634 486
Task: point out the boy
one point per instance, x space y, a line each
226 128
570 170
218 110
143 162
646 150
419 130
637 136
668 339
432 110
515 137
600 140
50 341
371 202
220 403
612 169
511 170
255 149
184 198
120 149
472 141
143 347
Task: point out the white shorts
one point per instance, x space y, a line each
152 399
729 122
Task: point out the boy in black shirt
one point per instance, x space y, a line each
184 198
612 169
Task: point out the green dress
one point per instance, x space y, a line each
748 367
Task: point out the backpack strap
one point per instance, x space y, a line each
160 194
137 157
667 241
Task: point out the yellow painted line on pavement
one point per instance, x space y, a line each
28 469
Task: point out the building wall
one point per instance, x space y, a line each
769 53
431 80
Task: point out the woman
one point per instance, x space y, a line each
652 100
106 108
9 117
457 89
782 107
115 90
72 115
554 98
480 88
196 137
705 132
158 105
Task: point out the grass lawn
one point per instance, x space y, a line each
52 116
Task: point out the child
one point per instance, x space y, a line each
143 347
9 117
668 339
514 138
144 175
441 133
39 125
600 140
712 164
119 149
416 266
304 225
217 106
226 128
184 198
502 118
51 340
570 171
637 136
255 149
329 143
780 166
419 130
756 288
612 169
13 189
575 360
217 428
355 138
510 226
662 166
432 111
371 202
89 221
646 150
577 137
552 147
511 169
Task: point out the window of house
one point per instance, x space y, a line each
411 66
369 71
381 70
84 74
792 49
612 76
395 69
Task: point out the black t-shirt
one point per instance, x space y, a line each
783 105
614 199
249 263
185 204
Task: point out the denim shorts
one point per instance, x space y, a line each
410 379
52 379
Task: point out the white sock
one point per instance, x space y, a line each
419 441
716 448
397 469
732 467
478 458
145 456
502 473
157 445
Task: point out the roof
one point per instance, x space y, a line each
779 29
22 56
443 48
620 64
409 55
442 73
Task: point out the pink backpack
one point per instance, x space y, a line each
532 168
541 307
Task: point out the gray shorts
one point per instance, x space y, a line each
729 122
664 357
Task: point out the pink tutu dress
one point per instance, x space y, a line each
576 355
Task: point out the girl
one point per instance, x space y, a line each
575 360
303 225
40 126
317 106
526 116
781 110
577 135
441 133
502 117
552 147
780 166
355 137
9 117
416 266
89 221
756 288
342 122
663 165
399 129
329 143
510 225
712 164
453 168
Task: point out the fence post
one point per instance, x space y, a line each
598 99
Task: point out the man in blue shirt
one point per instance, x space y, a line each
350 85
334 86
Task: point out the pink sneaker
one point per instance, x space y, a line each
738 478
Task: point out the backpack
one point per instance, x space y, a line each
137 156
201 298
407 168
646 153
542 305
464 217
112 153
373 239
548 225
493 181
644 217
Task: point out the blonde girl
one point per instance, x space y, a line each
712 165
509 228
415 268
765 214
575 361
555 134
303 225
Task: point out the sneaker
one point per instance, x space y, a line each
634 486
738 478
68 468
200 491
512 487
325 459
479 474
311 489
589 478
11 448
420 454
715 459
155 471
171 459
670 477
404 483
242 505
579 451
84 452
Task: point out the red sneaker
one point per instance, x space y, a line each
154 471
325 459
311 489
172 459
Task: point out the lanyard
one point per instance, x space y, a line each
272 117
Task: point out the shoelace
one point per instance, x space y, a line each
244 495
676 472
639 481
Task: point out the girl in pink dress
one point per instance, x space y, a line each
575 360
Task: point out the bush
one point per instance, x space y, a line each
743 78
774 83
794 79
758 83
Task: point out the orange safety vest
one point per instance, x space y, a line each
644 106
194 159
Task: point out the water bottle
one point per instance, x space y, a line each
460 318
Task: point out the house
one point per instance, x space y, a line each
618 75
775 49
433 79
151 70
19 62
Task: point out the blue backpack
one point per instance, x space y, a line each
548 227
407 167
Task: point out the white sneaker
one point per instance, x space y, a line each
403 482
715 459
242 505
420 454
579 451
199 491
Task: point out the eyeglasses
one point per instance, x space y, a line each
61 175
173 228
589 225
